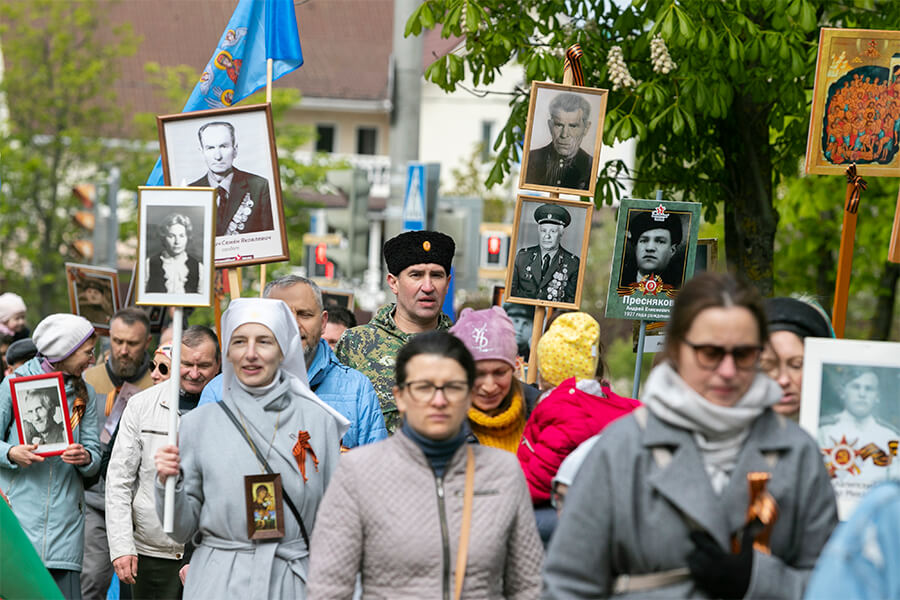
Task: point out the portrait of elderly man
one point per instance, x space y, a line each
38 423
655 244
547 271
243 204
563 162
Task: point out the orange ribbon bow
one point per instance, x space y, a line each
299 451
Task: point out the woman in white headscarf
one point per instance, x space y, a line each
277 421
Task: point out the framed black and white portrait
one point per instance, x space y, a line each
550 238
563 136
41 412
655 251
849 404
339 298
93 294
233 151
175 246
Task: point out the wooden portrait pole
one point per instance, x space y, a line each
855 187
894 250
572 75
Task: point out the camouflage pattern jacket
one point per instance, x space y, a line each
372 349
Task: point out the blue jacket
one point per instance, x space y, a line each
861 558
346 390
48 497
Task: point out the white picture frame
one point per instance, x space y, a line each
849 404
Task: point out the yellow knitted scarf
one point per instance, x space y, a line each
504 430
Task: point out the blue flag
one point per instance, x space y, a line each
258 30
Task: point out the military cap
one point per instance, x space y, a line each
518 310
798 317
552 213
644 221
418 247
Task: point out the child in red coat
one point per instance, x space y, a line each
577 408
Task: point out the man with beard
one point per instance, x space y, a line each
125 373
144 557
345 389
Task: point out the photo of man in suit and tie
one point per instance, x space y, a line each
547 271
243 204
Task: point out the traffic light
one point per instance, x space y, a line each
495 239
85 220
318 248
351 256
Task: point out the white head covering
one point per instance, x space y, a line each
278 318
59 335
10 304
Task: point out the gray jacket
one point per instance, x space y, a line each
625 515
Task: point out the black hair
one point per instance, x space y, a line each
439 343
341 316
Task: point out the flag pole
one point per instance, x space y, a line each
269 65
175 389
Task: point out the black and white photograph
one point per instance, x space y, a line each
175 241
41 412
656 247
563 137
849 405
231 150
93 294
550 237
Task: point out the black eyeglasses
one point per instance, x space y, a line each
163 367
425 391
710 356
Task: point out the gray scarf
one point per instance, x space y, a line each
719 431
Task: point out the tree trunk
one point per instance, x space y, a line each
750 220
887 297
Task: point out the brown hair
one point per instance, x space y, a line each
711 290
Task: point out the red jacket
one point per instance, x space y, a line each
567 416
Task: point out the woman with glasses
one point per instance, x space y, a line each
162 364
423 514
661 506
791 321
500 402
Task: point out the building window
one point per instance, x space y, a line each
325 135
486 141
366 140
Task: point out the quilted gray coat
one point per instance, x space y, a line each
381 515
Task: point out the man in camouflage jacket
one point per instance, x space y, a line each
418 274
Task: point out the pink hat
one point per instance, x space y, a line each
488 334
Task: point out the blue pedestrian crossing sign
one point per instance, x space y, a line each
414 200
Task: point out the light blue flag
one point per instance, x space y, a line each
258 30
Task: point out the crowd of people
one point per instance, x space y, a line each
407 458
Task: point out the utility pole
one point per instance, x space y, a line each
407 97
112 222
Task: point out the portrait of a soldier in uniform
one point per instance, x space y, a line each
548 268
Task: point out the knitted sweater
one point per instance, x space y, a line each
502 431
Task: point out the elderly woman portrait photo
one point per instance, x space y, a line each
174 269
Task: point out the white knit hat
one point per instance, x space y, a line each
10 304
59 335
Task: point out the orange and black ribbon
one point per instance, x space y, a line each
573 63
880 458
300 450
859 186
762 507
79 405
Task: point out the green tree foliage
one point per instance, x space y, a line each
61 58
724 128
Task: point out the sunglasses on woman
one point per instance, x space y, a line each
710 356
163 368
